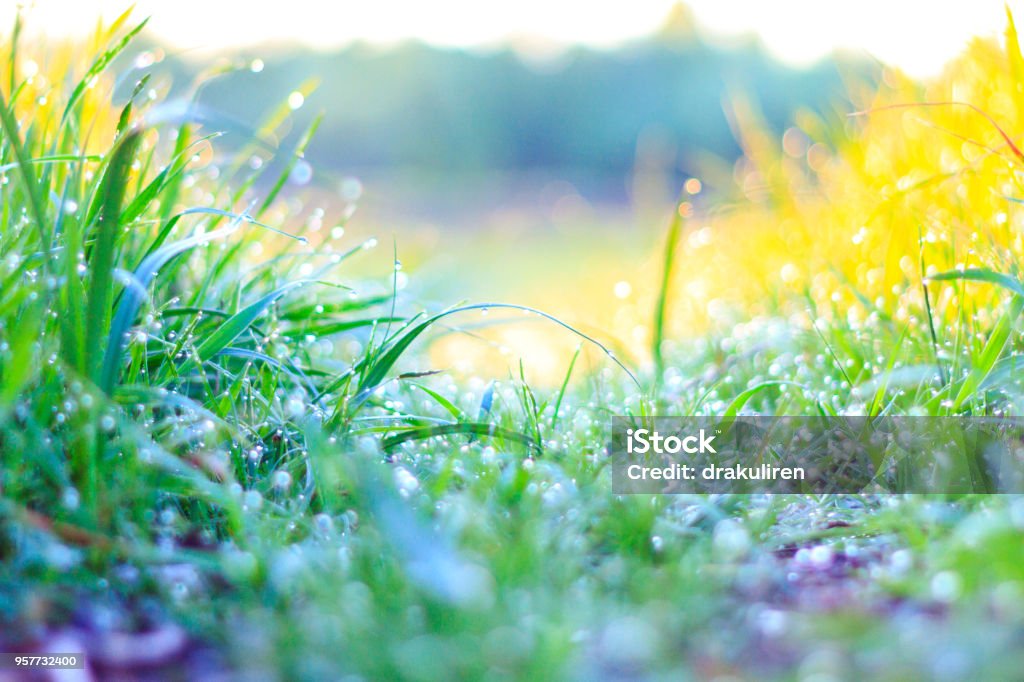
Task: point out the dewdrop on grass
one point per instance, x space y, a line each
282 480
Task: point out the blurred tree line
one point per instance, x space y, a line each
449 110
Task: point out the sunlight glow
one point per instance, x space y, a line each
916 35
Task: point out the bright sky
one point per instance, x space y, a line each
918 35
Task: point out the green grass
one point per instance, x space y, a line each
187 436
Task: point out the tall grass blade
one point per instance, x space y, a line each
24 164
300 148
99 65
104 252
564 387
675 231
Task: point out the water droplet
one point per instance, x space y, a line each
70 498
730 540
301 173
946 586
252 500
324 523
282 480
405 481
350 189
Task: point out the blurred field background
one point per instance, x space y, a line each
561 162
544 171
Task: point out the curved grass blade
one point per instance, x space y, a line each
481 429
232 351
234 326
982 275
131 300
296 373
1006 138
985 362
743 398
304 311
376 371
135 394
330 328
100 65
245 218
442 401
54 158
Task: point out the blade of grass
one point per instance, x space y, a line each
981 275
300 148
374 373
480 429
108 227
235 325
131 301
675 231
24 164
565 385
448 405
993 348
100 64
1006 138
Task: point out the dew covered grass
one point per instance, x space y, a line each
221 455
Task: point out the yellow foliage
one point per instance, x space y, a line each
44 73
923 174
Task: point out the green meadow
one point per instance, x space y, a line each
230 450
